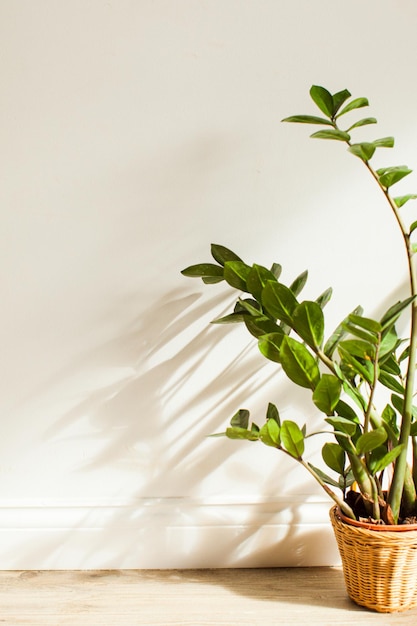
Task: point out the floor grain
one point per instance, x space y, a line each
244 597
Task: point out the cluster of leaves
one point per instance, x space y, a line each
342 372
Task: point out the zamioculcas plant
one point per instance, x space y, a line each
372 453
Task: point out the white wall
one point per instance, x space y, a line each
134 133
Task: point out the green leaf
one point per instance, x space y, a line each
345 410
401 200
338 334
274 431
363 150
205 270
276 269
247 305
332 133
265 437
262 325
279 301
355 367
324 298
393 313
292 438
357 103
323 99
334 457
270 345
370 441
236 273
327 393
257 279
222 254
272 413
307 119
364 122
413 227
240 419
358 348
342 425
340 98
379 464
298 363
366 323
308 322
241 433
298 283
390 382
232 318
324 477
384 142
388 176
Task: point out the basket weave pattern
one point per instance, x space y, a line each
380 568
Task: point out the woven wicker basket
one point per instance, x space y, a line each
380 567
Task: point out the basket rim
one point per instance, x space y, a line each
402 530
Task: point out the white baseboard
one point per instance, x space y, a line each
166 533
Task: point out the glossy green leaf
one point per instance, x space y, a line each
240 418
222 254
256 280
332 133
340 98
276 269
371 440
236 273
292 438
247 305
265 437
357 103
241 433
380 463
298 363
388 176
298 283
368 324
323 476
308 322
325 297
272 413
384 142
338 334
364 122
262 325
327 393
274 431
401 200
334 457
203 270
358 348
279 301
323 99
355 367
342 425
232 318
393 313
413 227
270 345
307 119
390 382
363 150
343 409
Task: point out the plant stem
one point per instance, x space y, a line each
397 484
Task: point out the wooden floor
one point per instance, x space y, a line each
248 597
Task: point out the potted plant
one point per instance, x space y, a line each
370 461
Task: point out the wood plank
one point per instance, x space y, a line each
229 597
